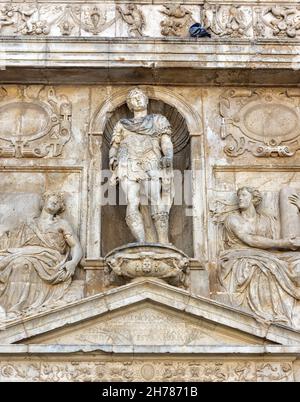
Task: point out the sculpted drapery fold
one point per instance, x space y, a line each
37 260
254 269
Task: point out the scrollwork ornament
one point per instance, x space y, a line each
265 123
36 124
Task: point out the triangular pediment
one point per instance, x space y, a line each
147 324
146 313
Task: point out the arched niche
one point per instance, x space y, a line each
104 111
185 123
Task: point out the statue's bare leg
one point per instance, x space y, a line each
159 215
134 218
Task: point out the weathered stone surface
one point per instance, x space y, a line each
229 102
233 324
159 19
142 369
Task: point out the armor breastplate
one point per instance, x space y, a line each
136 146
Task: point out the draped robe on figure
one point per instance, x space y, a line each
264 281
30 267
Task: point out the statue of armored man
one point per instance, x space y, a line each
141 159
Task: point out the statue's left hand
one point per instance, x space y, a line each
294 243
166 162
69 269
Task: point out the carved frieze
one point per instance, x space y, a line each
95 19
265 123
7 16
34 124
159 370
237 21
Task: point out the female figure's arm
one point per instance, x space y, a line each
75 250
257 241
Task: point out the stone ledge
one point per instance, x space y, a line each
147 53
236 350
146 76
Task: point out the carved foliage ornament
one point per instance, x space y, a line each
26 18
30 19
223 20
34 125
263 123
90 19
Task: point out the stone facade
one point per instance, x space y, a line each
199 284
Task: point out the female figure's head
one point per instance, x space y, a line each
53 202
247 196
137 100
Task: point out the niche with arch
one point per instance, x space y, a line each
114 229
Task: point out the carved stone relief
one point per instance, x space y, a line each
137 370
36 124
178 20
134 17
7 14
262 281
96 20
222 20
38 260
259 267
265 123
146 324
142 260
41 19
229 21
26 19
284 22
69 19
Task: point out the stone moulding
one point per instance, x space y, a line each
114 53
138 292
260 361
39 358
